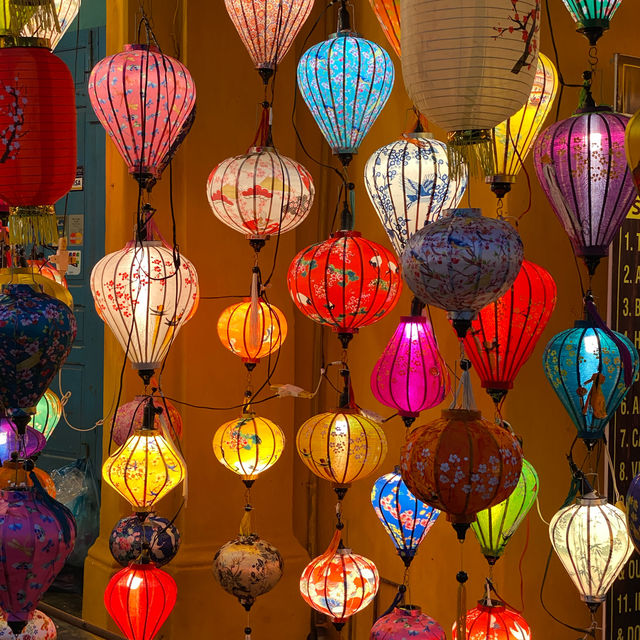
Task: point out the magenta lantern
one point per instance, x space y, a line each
407 622
24 444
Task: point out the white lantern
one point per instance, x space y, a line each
66 10
145 300
591 540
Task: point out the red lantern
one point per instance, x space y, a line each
493 621
505 332
140 598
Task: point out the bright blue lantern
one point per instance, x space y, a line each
584 367
406 519
345 81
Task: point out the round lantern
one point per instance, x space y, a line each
143 99
130 418
13 474
584 367
32 276
339 583
515 136
140 598
145 300
591 540
410 185
487 255
346 282
48 413
406 622
345 81
252 330
24 444
491 620
248 446
411 375
39 627
66 11
36 535
592 18
495 526
633 511
581 165
406 519
504 334
388 14
461 464
159 538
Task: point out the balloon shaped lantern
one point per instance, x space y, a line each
339 583
492 620
487 255
388 14
25 444
39 627
592 16
410 185
143 99
633 511
406 519
17 474
130 418
504 334
48 413
66 11
515 136
405 622
469 67
345 81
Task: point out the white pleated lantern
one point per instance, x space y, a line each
145 300
468 65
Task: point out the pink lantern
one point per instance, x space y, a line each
25 444
129 417
407 622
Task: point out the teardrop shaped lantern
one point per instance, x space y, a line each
592 17
268 29
504 334
130 417
66 11
495 526
410 185
345 81
145 300
514 138
48 413
492 620
487 256
404 622
406 519
591 540
339 583
142 98
388 14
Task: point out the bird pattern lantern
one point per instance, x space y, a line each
39 627
48 413
130 418
66 12
388 14
592 17
492 620
406 622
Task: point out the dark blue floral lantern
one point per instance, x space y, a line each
633 511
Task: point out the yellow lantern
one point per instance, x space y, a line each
248 446
32 276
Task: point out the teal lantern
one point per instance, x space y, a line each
48 413
592 16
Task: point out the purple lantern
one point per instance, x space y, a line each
411 375
405 623
25 445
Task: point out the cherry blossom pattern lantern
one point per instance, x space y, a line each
145 299
592 542
66 11
13 440
592 17
406 519
140 598
48 413
143 99
339 583
468 68
410 185
487 255
130 418
504 334
345 81
406 622
388 14
492 620
39 627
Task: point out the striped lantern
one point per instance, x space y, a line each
592 16
388 14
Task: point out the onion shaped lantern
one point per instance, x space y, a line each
388 14
585 368
145 300
514 137
487 255
13 440
404 622
130 418
592 17
16 474
339 583
143 99
504 334
345 81
495 526
48 413
406 519
39 627
591 540
492 620
140 598
410 185
66 12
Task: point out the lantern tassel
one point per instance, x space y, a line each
58 509
462 578
37 225
245 523
254 314
41 14
474 148
468 399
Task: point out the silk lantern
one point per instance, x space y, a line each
140 598
584 367
406 622
388 14
504 334
130 418
410 185
591 540
633 511
143 99
25 444
406 519
469 67
492 620
339 583
48 413
33 277
16 474
39 627
632 148
487 255
145 299
592 17
66 12
46 268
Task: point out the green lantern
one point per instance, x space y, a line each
495 526
592 16
48 412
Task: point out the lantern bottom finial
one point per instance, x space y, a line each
497 395
592 33
461 326
408 421
338 625
17 626
461 529
146 375
266 73
592 263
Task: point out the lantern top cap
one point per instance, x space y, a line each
344 551
583 324
469 212
463 415
141 47
345 233
491 605
11 41
413 319
267 148
412 610
592 499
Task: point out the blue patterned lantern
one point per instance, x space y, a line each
406 519
633 511
345 81
585 368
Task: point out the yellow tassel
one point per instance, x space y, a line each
33 225
245 524
475 149
255 335
41 13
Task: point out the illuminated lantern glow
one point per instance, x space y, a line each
140 598
592 542
487 253
406 519
143 99
46 268
14 475
39 627
584 367
388 14
130 418
24 444
47 415
404 622
491 620
632 148
33 276
504 334
592 16
66 10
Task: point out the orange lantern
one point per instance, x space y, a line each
388 14
13 474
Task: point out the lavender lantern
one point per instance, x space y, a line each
25 445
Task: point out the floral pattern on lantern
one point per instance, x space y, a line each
39 627
633 511
48 413
493 621
24 444
34 275
66 10
407 622
388 14
130 418
592 17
